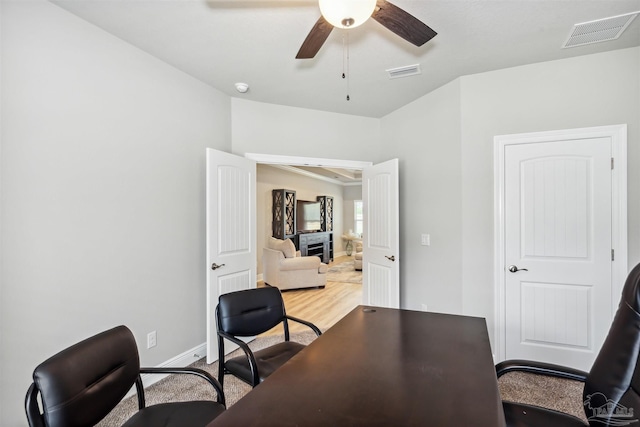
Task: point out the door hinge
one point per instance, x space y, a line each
613 255
612 163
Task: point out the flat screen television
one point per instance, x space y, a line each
307 216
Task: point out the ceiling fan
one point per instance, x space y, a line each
351 13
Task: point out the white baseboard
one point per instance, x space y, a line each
179 361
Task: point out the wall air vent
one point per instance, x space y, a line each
600 30
409 70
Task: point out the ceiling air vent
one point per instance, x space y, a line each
600 30
409 70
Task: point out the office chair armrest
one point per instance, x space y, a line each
243 345
247 351
193 371
540 368
33 410
304 322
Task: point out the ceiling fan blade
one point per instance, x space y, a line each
402 23
315 39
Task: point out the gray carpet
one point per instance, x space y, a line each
562 395
553 393
178 388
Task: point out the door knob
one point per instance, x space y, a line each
390 258
215 266
513 269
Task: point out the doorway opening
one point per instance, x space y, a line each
324 307
231 228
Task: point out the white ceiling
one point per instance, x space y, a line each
329 174
221 42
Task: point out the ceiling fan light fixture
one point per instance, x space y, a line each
347 13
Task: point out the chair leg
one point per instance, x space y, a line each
221 360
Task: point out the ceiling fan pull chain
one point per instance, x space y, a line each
343 55
348 71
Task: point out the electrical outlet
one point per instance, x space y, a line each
151 339
424 307
425 240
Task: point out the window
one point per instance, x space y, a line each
358 218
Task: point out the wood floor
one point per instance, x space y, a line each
322 307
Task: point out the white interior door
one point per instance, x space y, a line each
558 250
231 232
380 241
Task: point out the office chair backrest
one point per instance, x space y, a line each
250 312
615 375
80 385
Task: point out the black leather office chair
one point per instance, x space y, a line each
612 386
80 385
248 313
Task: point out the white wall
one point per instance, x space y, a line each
585 91
425 136
445 144
271 178
102 193
290 131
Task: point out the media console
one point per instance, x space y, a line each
319 244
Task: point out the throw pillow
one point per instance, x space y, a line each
288 249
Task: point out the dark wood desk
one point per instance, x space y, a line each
382 368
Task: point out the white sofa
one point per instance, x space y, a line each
284 268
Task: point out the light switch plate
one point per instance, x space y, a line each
426 240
